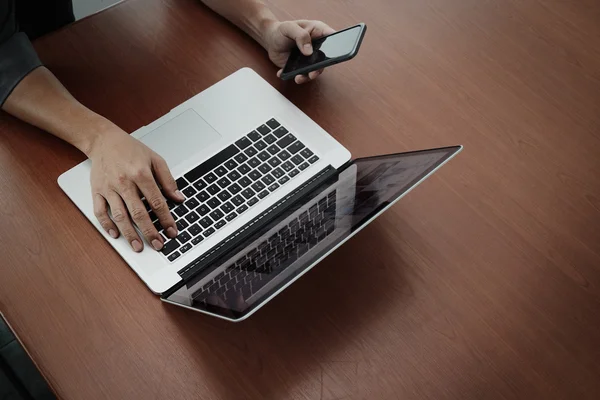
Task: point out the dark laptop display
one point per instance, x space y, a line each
300 237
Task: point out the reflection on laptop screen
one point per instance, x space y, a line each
299 238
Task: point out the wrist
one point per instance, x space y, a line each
93 130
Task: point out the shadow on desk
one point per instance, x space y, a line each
288 342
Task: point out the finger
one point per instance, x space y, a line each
316 29
139 215
301 36
314 74
158 204
120 217
279 73
165 179
101 213
300 79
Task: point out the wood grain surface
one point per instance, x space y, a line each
483 283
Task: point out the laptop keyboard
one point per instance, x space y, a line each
255 269
232 182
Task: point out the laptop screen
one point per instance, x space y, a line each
282 251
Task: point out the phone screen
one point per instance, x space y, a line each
333 46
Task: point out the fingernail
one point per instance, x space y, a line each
157 244
171 232
179 194
137 246
112 233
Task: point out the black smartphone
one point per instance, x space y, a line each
328 50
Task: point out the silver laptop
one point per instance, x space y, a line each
268 194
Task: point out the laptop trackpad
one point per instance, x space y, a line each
182 137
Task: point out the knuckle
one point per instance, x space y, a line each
141 174
158 205
148 232
118 216
122 178
138 214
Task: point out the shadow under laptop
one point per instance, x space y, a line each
282 349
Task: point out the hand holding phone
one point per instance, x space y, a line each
328 50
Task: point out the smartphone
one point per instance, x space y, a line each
328 50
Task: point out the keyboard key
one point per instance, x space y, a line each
181 183
189 191
258 186
287 166
174 256
250 151
253 162
171 204
200 184
286 140
263 129
210 177
227 208
243 169
252 201
213 203
237 200
181 210
181 224
235 188
243 143
223 182
270 139
220 224
208 232
284 155
195 229
231 164
220 170
273 162
206 222
260 145
185 248
254 136
240 158
263 194
273 124
274 187
241 209
203 210
277 173
280 132
203 196
293 173
247 193
184 237
192 217
216 215
303 166
254 175
170 247
295 147
264 168
152 216
313 159
211 163
273 149
213 189
297 159
283 180
263 156
231 217
306 153
224 195
245 181
197 240
234 176
157 226
267 179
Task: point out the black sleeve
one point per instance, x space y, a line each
17 56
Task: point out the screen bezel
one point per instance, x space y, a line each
236 316
288 74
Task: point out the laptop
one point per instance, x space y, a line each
268 194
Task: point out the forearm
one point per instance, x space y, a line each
252 16
41 100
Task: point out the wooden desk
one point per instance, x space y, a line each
484 283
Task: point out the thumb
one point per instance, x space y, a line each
165 179
298 34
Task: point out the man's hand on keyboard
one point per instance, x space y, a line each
281 37
123 169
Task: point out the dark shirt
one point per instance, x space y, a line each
20 22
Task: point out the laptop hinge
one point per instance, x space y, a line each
225 246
